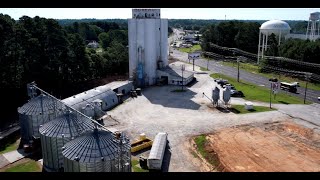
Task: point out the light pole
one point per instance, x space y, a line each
193 63
182 69
272 80
208 64
307 76
238 69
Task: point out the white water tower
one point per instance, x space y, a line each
277 27
313 28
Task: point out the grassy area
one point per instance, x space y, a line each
10 147
200 142
240 109
29 166
137 168
192 49
203 69
256 93
255 69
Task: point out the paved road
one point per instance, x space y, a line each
214 66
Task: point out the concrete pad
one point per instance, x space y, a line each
16 155
3 161
40 161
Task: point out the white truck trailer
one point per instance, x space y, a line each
157 151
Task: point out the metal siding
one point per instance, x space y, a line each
164 41
150 50
132 31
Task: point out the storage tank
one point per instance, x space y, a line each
88 110
37 111
226 95
58 132
215 95
97 151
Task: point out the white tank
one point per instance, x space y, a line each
314 16
226 95
88 110
215 94
276 27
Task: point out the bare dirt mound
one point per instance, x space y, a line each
275 147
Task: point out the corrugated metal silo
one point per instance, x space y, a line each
215 95
97 151
36 112
226 95
56 133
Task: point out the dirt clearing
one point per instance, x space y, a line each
273 147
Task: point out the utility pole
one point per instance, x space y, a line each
238 61
270 93
193 63
182 69
272 80
208 64
307 76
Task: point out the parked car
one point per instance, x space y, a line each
236 93
296 83
221 82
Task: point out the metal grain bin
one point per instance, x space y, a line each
215 95
97 151
226 95
56 133
36 112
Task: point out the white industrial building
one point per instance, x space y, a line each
148 45
173 75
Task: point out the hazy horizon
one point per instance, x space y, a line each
297 14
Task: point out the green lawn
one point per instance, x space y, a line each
203 69
137 168
10 147
256 93
192 49
29 166
240 109
200 142
255 69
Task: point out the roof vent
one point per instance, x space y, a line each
102 158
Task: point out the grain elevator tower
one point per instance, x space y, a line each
148 45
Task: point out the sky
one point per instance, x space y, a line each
170 13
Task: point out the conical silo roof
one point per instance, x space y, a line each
69 124
41 104
93 146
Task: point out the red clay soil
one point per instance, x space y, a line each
277 147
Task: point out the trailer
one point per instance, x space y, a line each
140 144
157 151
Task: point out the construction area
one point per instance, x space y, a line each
184 115
269 147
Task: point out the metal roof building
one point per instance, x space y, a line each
174 75
58 132
36 112
97 151
107 94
